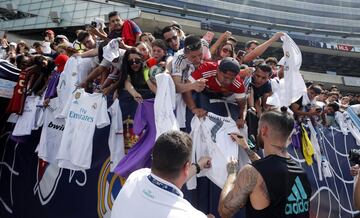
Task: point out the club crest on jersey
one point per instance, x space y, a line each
287 54
77 95
94 106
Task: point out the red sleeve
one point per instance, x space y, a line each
205 67
238 84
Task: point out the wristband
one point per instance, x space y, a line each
197 167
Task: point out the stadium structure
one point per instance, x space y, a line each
327 31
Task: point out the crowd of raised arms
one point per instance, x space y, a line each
120 58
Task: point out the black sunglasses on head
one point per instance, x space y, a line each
264 67
193 47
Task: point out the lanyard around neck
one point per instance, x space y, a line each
162 185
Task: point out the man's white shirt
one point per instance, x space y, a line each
141 198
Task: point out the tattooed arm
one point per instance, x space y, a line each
241 141
237 190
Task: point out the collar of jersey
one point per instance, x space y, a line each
163 184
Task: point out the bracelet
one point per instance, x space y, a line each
197 167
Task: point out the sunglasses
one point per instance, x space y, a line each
169 40
225 50
136 61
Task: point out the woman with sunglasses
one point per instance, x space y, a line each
132 76
226 50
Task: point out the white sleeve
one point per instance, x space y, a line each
102 117
239 95
65 110
191 79
177 65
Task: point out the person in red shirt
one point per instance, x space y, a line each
223 80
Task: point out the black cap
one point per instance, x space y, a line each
229 64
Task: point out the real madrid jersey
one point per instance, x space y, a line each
82 113
51 133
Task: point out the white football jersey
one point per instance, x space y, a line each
82 112
51 133
211 138
27 121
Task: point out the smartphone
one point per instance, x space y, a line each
208 36
240 54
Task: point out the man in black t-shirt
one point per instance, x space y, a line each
260 87
275 186
259 91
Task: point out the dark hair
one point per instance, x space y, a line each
334 93
334 106
82 35
53 45
36 44
354 101
192 43
232 49
308 83
248 43
126 70
264 67
167 29
38 59
112 14
317 89
282 122
159 43
271 60
172 150
18 48
23 61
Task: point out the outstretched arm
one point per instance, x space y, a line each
262 48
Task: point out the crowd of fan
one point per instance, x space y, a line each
197 64
140 51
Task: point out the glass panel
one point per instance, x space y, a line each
58 9
58 3
68 8
34 6
46 4
30 21
93 13
81 5
79 14
19 22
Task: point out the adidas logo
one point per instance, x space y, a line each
298 201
